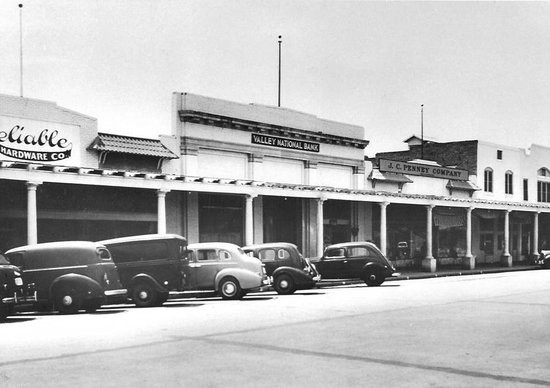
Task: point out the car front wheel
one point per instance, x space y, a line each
230 289
284 284
373 277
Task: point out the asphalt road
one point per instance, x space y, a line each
475 331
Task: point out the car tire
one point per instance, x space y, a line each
162 298
67 299
373 277
284 284
144 294
92 306
229 288
4 312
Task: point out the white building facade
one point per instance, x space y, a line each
246 173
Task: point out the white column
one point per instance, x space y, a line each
249 220
32 218
535 248
469 260
429 263
161 211
320 231
506 258
383 228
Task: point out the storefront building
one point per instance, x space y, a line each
246 173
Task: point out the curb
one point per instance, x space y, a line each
427 275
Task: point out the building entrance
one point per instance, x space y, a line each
282 218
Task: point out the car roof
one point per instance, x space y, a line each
56 245
143 237
352 244
212 245
270 245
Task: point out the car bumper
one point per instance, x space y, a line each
17 299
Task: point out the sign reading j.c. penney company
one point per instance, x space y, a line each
423 170
37 141
281 142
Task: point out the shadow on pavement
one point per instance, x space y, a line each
15 319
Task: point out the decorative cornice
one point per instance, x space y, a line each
190 116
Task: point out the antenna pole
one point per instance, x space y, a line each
422 131
21 47
279 88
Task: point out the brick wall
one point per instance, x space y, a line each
462 154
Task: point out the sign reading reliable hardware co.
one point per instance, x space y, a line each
285 143
423 170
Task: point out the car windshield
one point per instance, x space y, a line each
3 259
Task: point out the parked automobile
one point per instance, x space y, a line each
69 275
12 289
355 260
226 269
150 266
286 265
543 259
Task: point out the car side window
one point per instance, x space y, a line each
336 252
283 254
207 255
359 252
267 255
224 255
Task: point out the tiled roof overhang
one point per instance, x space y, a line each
115 178
131 145
271 129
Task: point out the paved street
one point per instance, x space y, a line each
475 331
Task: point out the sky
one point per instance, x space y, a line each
481 69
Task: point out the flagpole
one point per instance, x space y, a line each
422 131
279 88
21 47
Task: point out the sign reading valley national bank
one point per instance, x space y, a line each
35 141
423 170
285 143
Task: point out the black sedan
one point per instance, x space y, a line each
355 260
284 262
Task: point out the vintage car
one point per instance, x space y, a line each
355 260
150 266
286 265
226 269
543 259
70 275
12 289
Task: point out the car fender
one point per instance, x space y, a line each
147 278
372 265
95 290
298 275
247 279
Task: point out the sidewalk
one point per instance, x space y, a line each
409 274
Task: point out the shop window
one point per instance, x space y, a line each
509 182
488 180
526 190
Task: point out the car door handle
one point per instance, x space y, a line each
194 265
345 261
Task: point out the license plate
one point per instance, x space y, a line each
18 281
